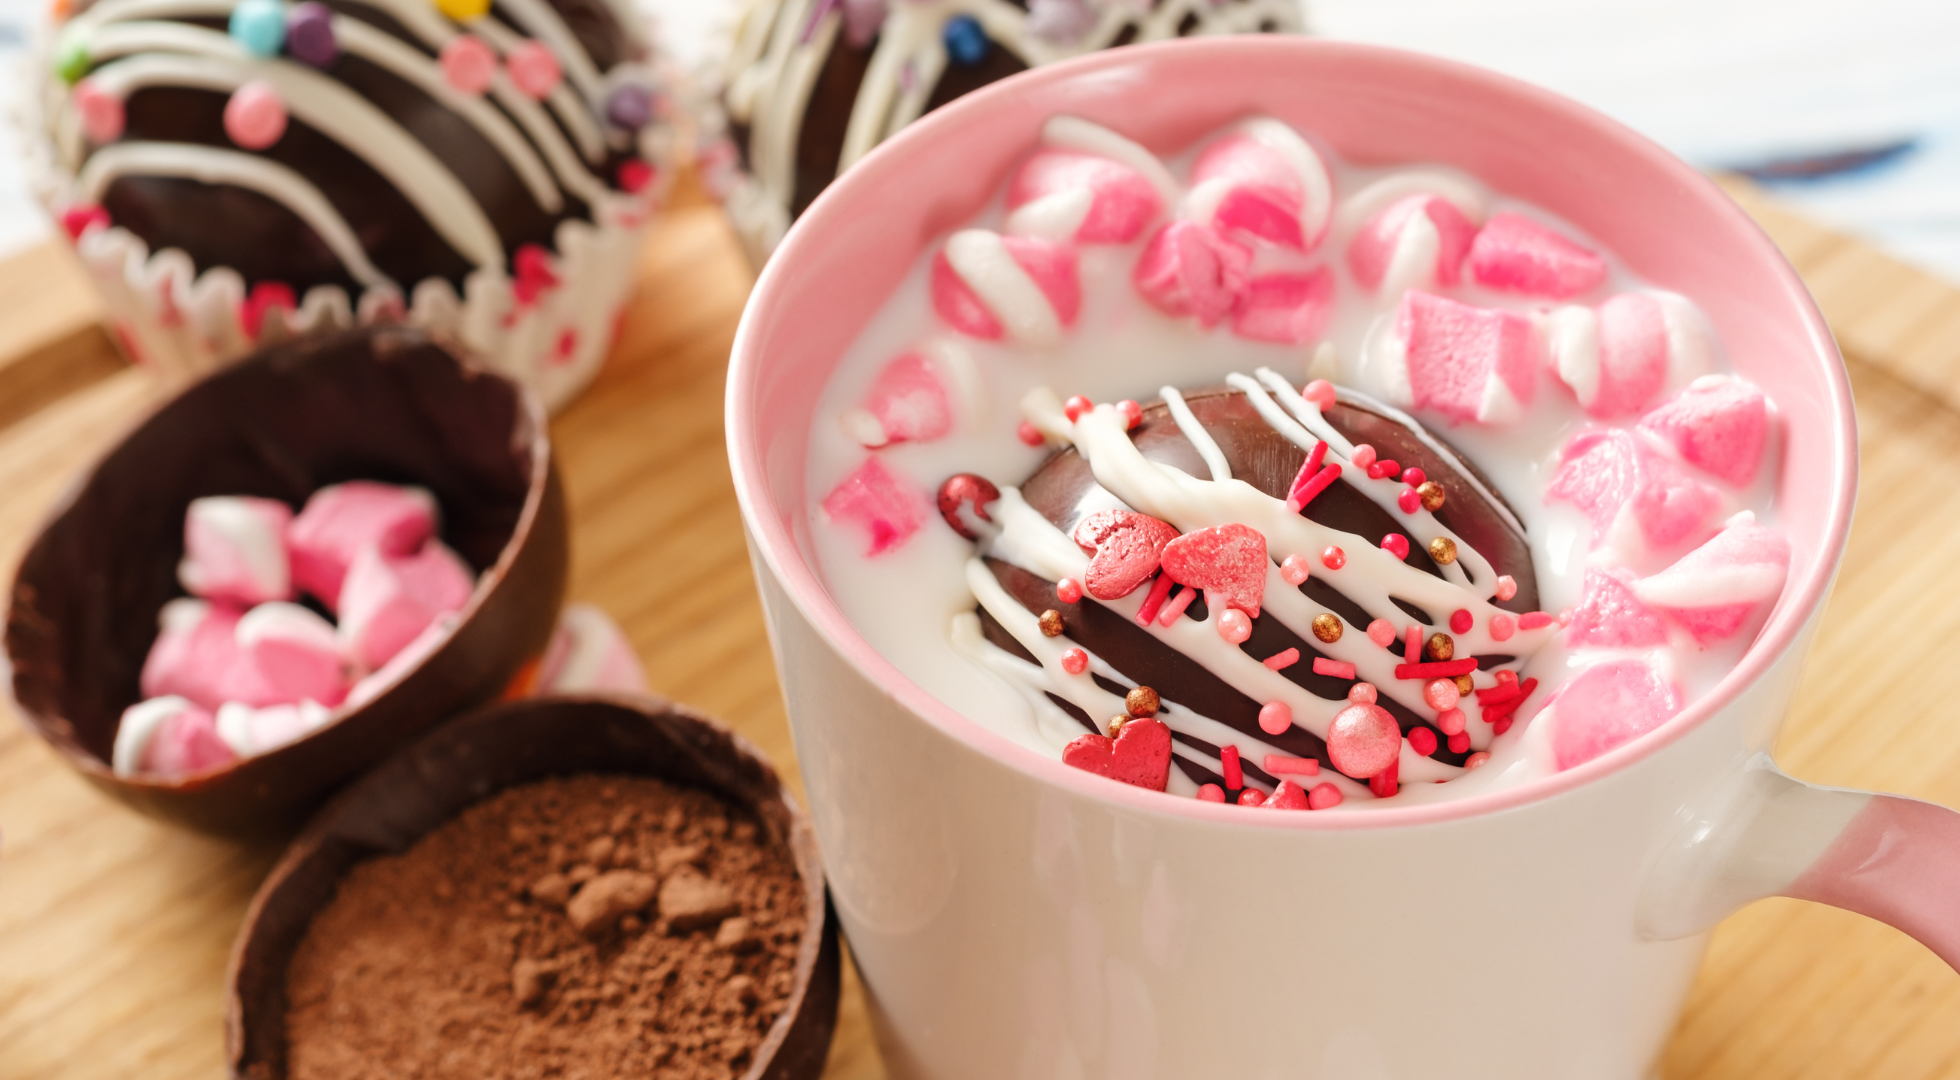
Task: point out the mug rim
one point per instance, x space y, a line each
773 547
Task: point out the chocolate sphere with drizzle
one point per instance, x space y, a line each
1064 489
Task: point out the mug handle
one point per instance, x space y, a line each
1890 858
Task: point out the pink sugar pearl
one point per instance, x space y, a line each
1275 717
1362 693
1075 661
1441 694
1451 722
534 69
255 117
468 64
1321 393
1233 626
1363 740
1507 587
1323 796
1382 632
1295 570
102 112
1502 627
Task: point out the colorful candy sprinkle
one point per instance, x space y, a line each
1075 406
1234 626
1396 544
1323 797
1228 761
634 175
1029 434
255 117
1443 550
1211 793
1333 558
468 64
259 26
1288 796
1451 721
1252 797
1280 661
102 112
1475 760
1069 590
1363 740
1363 456
1438 694
1154 600
1460 742
1422 741
966 42
1295 570
72 57
1131 412
1175 609
1282 765
1382 632
533 69
309 34
1075 661
1414 476
1436 669
1502 627
1507 587
1532 620
1461 621
1362 693
1408 501
1321 393
630 106
463 10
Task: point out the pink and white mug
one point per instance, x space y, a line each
1016 918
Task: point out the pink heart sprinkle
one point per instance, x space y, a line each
1140 754
1126 545
1227 561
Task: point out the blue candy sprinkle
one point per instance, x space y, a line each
259 26
965 41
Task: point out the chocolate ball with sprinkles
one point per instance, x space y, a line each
810 86
235 172
1306 651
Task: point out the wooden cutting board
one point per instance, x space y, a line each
114 930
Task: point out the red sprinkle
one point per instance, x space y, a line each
1281 765
1532 620
1461 621
1159 589
77 220
634 176
1386 782
1074 407
1211 793
1131 412
1459 742
1409 501
1228 758
1070 590
1421 740
1252 796
1323 796
265 296
1501 725
1177 605
1412 651
1029 434
1340 669
1288 796
1494 695
1396 544
1437 669
1507 676
1383 468
1280 661
1075 661
1303 494
1333 558
1413 476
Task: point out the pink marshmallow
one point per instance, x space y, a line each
235 550
1290 309
990 286
1416 242
1111 200
387 600
1264 181
249 731
196 646
1719 424
1618 358
1191 269
290 654
589 653
404 661
1610 616
168 737
1716 588
1632 492
1468 363
341 519
1516 254
907 403
889 509
1608 705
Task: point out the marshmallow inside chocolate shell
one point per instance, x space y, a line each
1064 490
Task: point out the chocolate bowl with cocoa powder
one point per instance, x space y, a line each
388 404
596 885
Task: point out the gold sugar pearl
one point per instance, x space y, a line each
1432 495
1443 550
1327 627
1440 647
1116 724
1051 623
1143 701
1464 686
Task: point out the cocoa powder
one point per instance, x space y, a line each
527 938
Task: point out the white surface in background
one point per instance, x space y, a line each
1720 82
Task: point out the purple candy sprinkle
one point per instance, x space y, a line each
629 106
309 34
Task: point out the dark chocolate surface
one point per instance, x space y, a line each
1265 459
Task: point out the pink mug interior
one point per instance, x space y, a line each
1372 106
